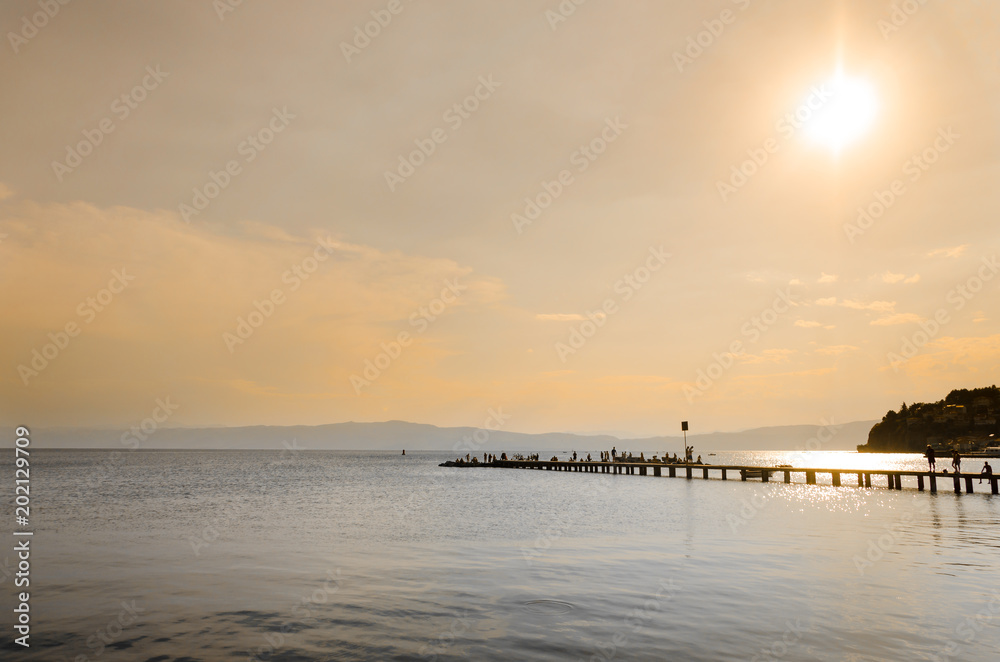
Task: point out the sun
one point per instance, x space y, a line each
846 111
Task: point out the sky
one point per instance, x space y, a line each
596 217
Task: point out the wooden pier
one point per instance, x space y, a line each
889 478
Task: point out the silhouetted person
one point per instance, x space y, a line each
931 457
699 459
986 473
614 453
956 461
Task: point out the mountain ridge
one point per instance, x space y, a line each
397 435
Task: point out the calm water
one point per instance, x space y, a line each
372 556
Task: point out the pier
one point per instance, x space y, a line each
891 479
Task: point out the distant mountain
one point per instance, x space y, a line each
397 435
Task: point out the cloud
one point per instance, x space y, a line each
829 301
836 350
877 306
898 318
828 278
560 317
950 360
980 317
5 191
954 251
191 284
807 324
889 277
767 356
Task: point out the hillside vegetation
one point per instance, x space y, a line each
966 419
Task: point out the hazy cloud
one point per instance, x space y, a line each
954 251
898 318
836 350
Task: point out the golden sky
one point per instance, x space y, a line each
602 217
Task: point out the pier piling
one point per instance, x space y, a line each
894 478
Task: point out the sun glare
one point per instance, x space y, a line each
847 109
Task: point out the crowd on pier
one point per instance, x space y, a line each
604 456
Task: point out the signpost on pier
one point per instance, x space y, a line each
684 429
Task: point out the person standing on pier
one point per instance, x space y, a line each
956 461
931 457
614 453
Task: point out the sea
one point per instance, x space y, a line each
297 555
